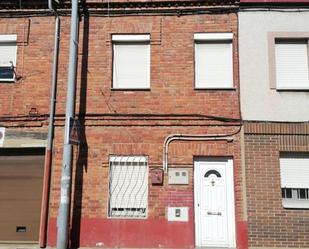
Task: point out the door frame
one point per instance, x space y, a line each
230 202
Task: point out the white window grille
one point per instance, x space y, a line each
292 64
8 49
213 60
128 186
131 61
294 172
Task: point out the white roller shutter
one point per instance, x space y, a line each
8 48
128 186
131 65
213 65
292 65
294 171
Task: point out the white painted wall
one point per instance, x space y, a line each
258 101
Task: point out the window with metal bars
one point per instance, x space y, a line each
128 186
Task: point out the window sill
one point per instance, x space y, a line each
7 81
215 88
295 204
131 89
292 89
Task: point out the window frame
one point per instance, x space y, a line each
131 39
12 40
214 38
121 157
293 202
288 37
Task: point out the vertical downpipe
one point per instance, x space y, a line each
50 136
64 207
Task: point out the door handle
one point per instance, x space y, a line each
214 213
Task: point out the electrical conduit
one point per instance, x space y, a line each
191 137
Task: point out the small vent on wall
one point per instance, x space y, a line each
21 229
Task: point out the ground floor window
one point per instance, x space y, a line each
294 172
128 186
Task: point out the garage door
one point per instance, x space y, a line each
21 183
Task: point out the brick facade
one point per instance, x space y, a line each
91 182
125 122
269 224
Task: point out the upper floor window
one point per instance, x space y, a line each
294 173
131 61
292 63
288 60
213 60
8 49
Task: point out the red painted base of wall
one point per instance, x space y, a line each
149 233
242 234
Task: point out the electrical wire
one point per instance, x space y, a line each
136 8
132 115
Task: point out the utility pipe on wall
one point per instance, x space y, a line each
50 136
64 206
190 137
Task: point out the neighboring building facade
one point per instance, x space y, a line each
146 104
273 55
24 98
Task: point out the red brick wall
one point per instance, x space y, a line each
269 224
92 198
172 66
95 181
34 64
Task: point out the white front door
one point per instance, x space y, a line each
214 203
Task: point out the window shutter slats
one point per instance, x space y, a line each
8 49
131 67
292 65
294 172
7 53
213 65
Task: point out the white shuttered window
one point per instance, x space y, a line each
213 61
8 49
128 186
294 173
292 65
131 61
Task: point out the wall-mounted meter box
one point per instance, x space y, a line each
178 176
178 214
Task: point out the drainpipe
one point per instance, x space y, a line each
50 136
64 206
191 137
